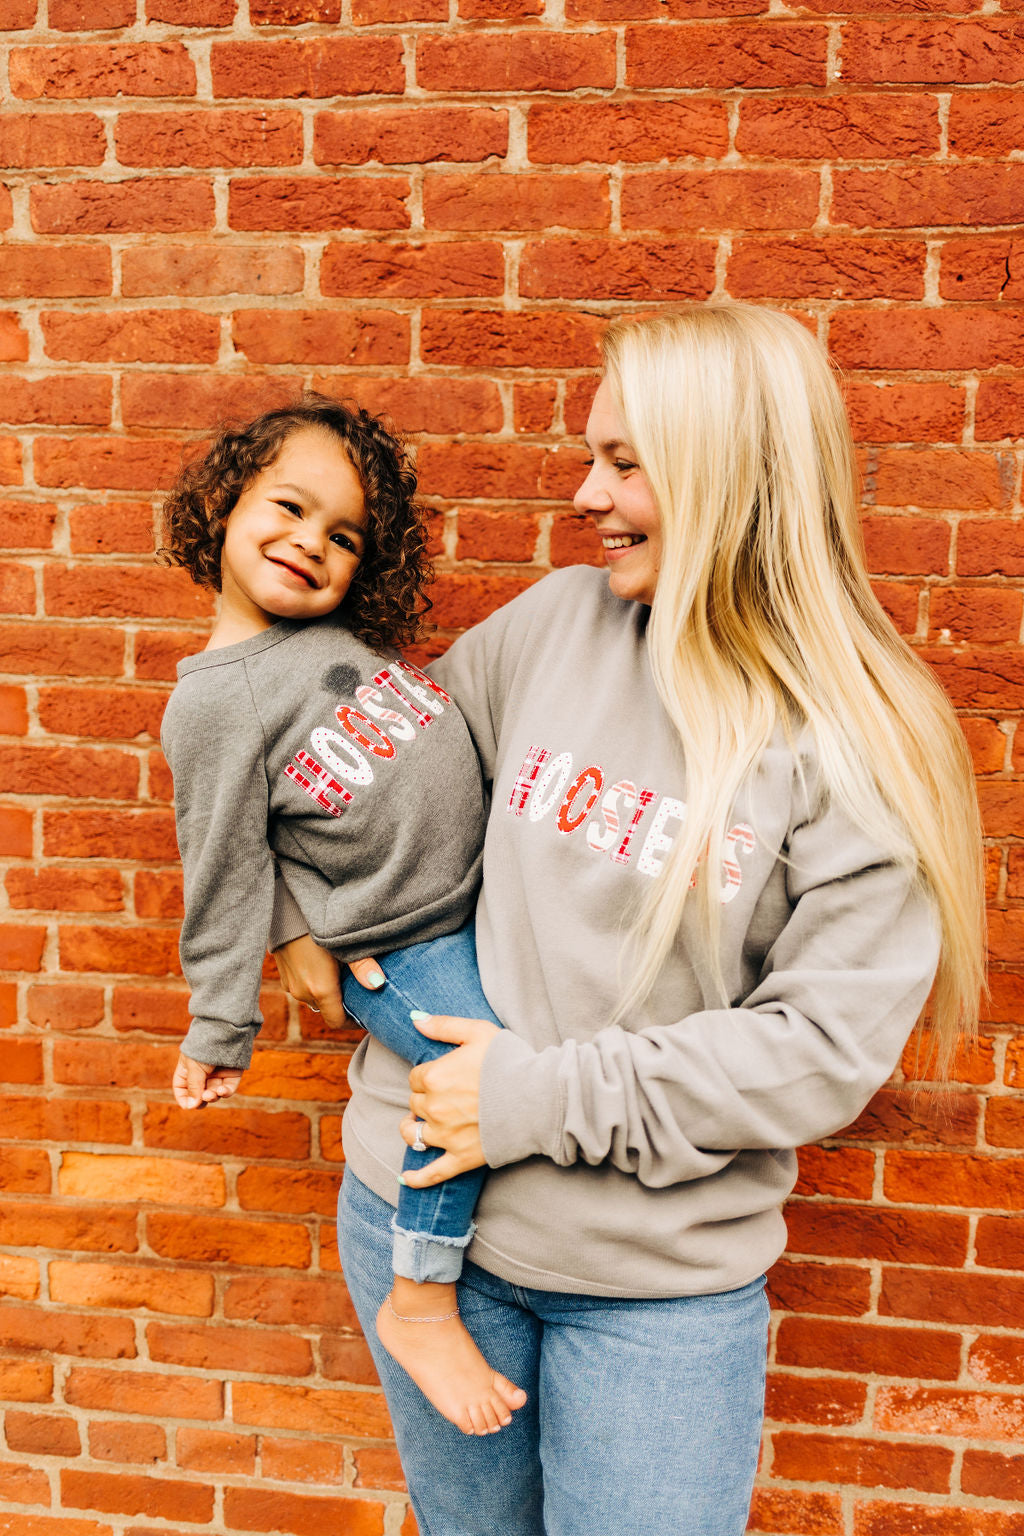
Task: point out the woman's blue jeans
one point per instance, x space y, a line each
643 1417
432 1227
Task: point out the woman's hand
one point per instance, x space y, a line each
195 1084
445 1098
311 975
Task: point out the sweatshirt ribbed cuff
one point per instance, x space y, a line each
520 1102
217 1043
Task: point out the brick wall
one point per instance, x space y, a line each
434 204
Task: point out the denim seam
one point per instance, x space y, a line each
434 1237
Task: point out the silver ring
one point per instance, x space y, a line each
419 1145
312 1009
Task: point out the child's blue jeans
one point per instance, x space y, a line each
432 1227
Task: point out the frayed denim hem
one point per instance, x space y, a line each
424 1256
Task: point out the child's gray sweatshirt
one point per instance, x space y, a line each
649 1157
355 771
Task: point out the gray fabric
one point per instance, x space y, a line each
650 1157
399 864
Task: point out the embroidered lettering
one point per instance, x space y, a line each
739 839
372 701
376 742
643 800
323 786
656 842
557 772
526 778
353 768
384 679
567 821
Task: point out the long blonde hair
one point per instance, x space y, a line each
764 612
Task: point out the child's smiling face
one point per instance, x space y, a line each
294 538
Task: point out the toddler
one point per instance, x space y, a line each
300 737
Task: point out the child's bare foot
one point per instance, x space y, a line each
420 1326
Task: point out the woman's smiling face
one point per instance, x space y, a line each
617 496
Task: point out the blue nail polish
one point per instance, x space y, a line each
417 1015
376 979
401 1181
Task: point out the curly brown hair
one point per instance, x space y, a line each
385 603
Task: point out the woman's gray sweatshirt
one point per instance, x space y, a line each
356 772
650 1157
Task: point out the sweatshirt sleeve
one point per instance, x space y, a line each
840 990
214 744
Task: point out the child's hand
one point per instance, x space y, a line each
195 1085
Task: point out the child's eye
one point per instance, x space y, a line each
623 465
291 506
344 542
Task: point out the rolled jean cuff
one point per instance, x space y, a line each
423 1256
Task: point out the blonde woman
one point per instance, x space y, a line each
732 841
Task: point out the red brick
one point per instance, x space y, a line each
215 1450
534 405
17 589
937 1296
292 1074
987 122
1001 805
228 1240
295 1191
21 949
904 546
22 1061
317 67
42 1525
997 1358
26 1381
64 1120
154 1010
156 1395
944 1178
13 349
998 409
293 13
1000 1242
33 141
987 1474
126 591
364 337
24 1170
844 1172
136 951
504 536
187 1293
127 1442
122 714
369 12
424 403
506 200
786 1511
980 679
78 890
18 14
306 1303
23 1484
101 69
112 1063
889 1519
990 547
158 893
244 1133
921 196
199 270
900 1117
972 613
42 770
136 1494
720 199
807 267
192 13
318 202
814 1400
983 269
302 1461
753 55
409 135
518 61
132 336
347 1359
142 206
66 1333
442 269
931 52
11 470
836 1290
945 477
874 1463
26 526
926 339
114 529
945 1410
316 1411
41 1434
210 138
13 710
1004 1117
261 1509
869 1349
8 1004
140 1180
987 744
882 411
869 126
628 131
63 399
61 648
221 1349
157 652
499 339
617 269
